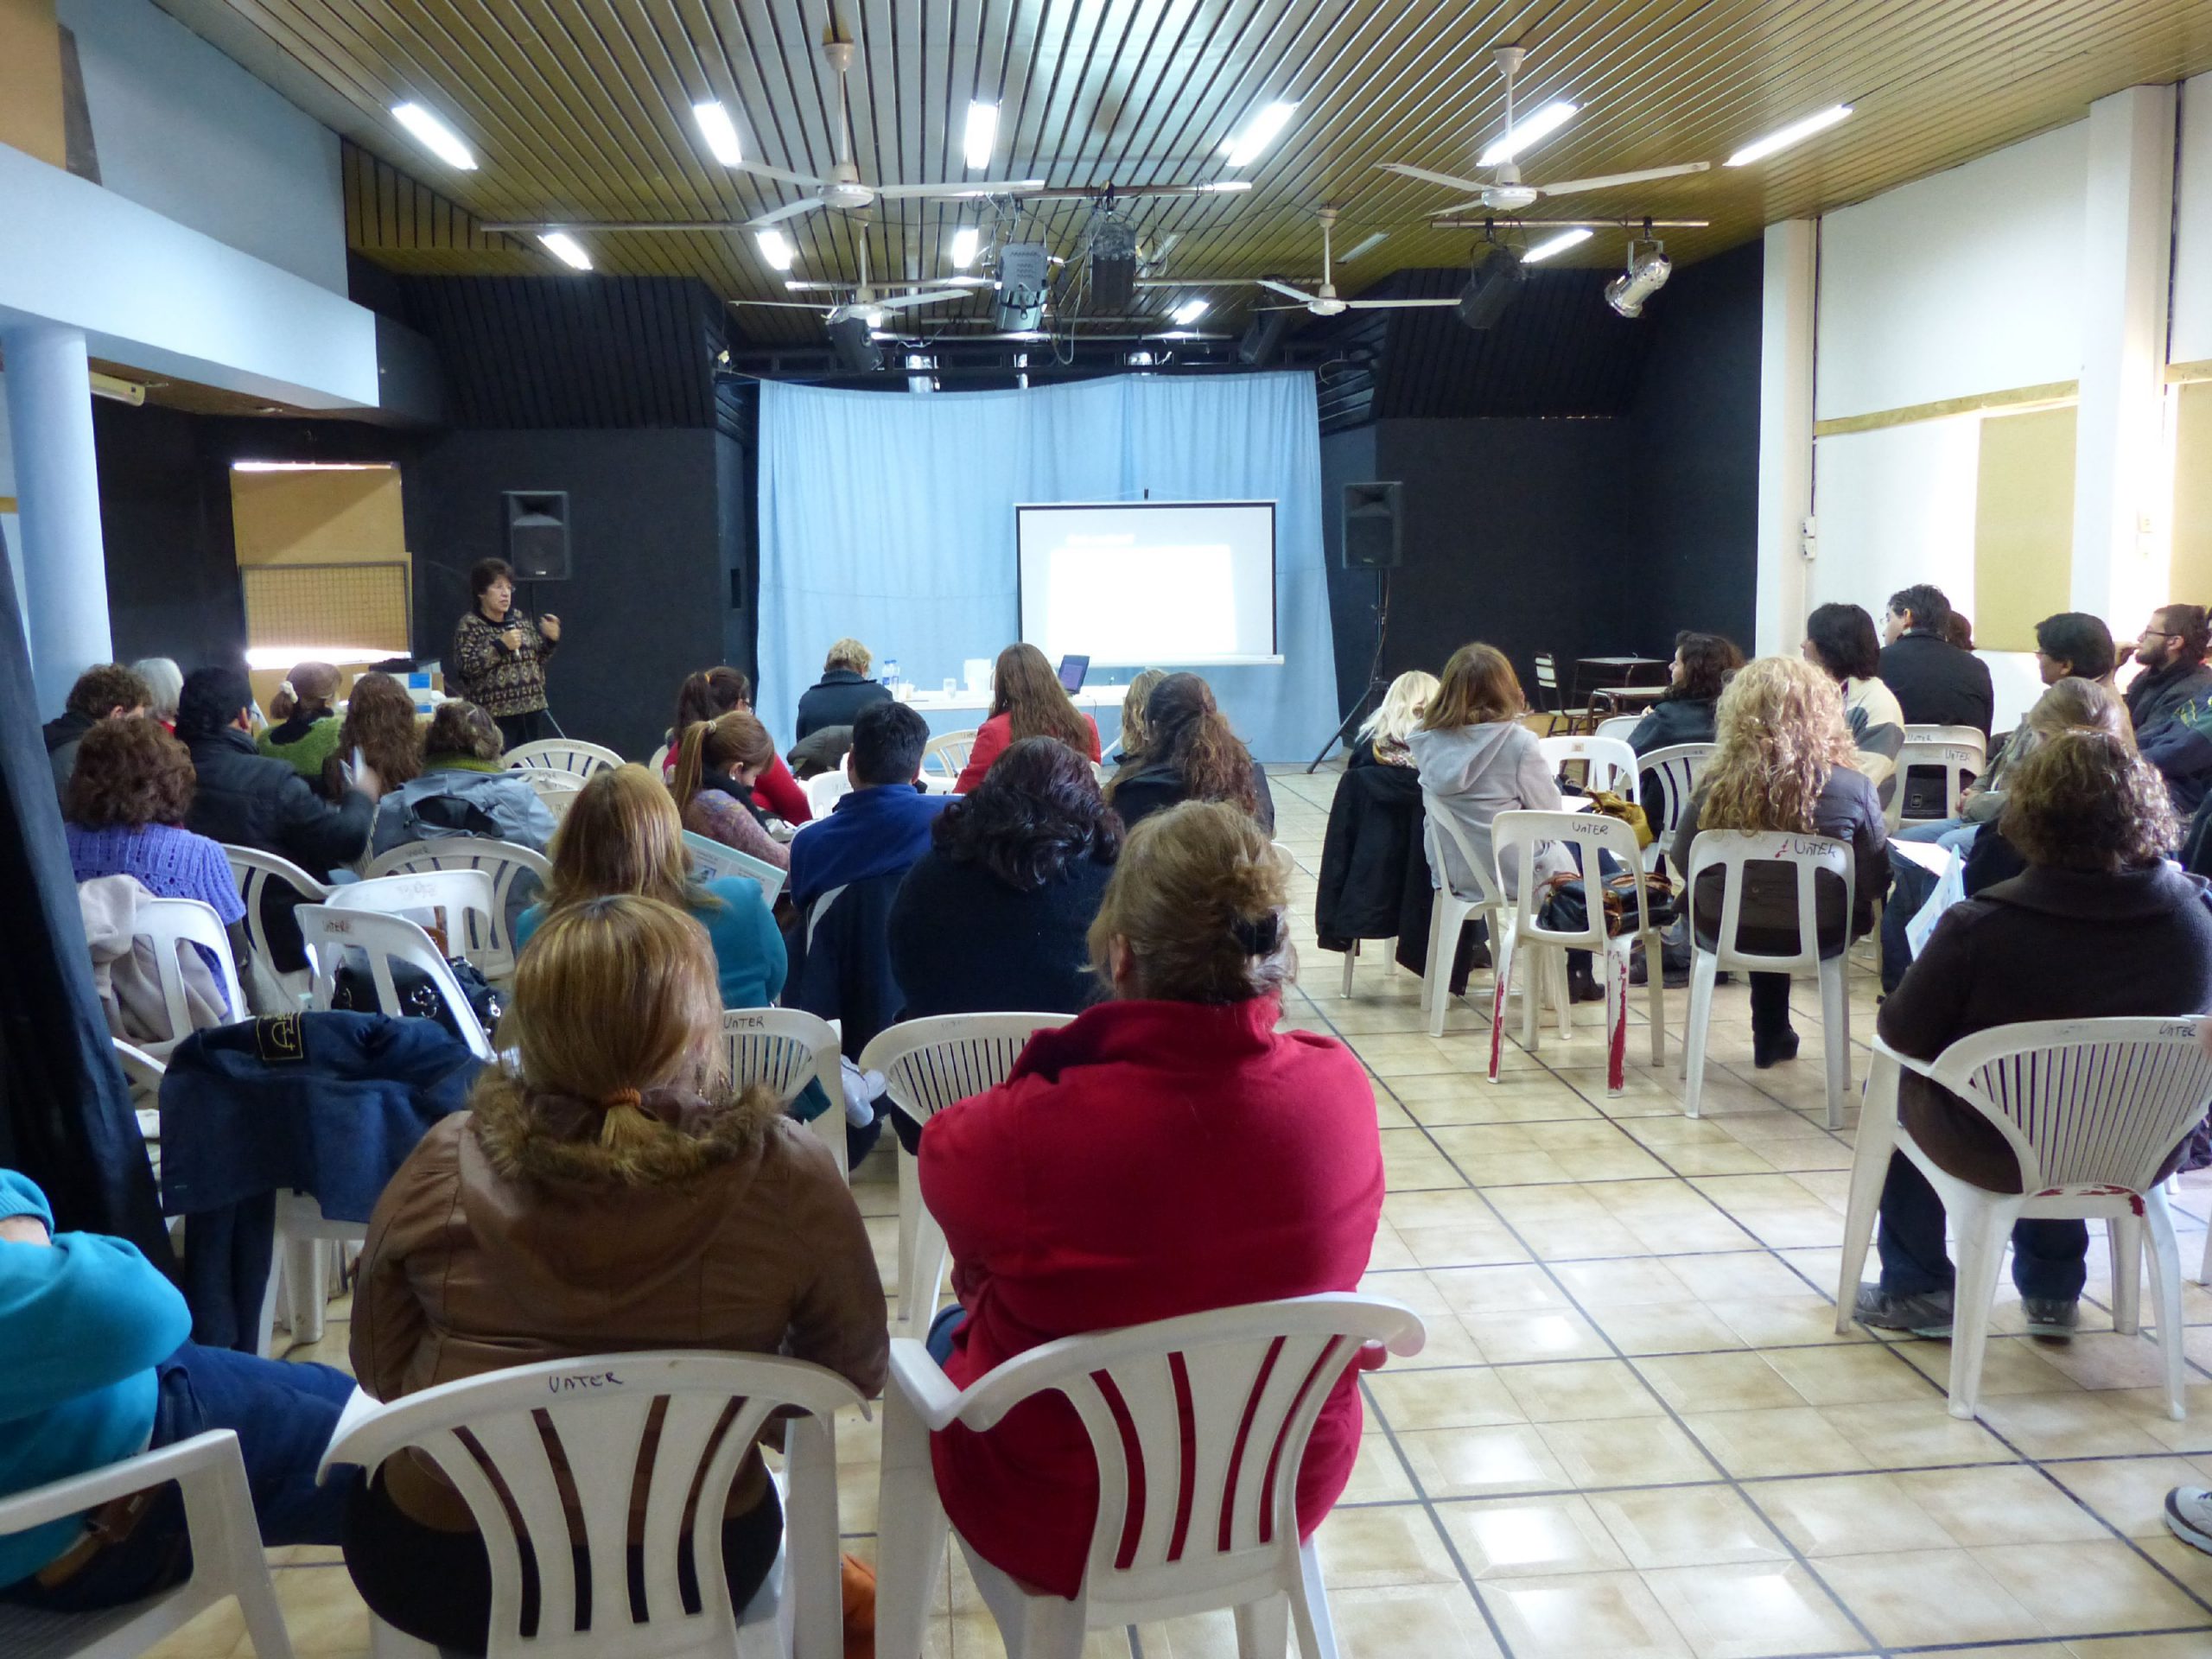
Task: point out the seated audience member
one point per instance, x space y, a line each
717 764
1477 760
607 1192
105 691
2135 937
1381 740
305 735
1190 754
2170 653
1958 631
843 691
1935 683
99 1369
1027 700
124 815
464 789
1143 684
1783 763
381 723
1841 639
994 917
2075 646
620 835
243 798
715 691
1168 1152
2180 746
1683 713
164 680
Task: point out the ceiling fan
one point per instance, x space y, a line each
1505 192
864 303
1323 301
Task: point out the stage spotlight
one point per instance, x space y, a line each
852 340
1494 284
1025 279
1646 275
1113 263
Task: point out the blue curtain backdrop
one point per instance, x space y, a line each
889 517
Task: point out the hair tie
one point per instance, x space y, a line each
631 1097
1258 938
285 686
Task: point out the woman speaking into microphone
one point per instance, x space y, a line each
499 655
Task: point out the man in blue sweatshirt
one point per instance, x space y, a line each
98 1370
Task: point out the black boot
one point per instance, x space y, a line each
1770 1048
1582 984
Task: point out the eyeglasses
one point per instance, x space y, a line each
2160 634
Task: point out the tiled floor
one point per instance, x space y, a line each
1634 1433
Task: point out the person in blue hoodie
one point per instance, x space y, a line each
99 1369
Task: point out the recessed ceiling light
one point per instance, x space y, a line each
566 250
1528 132
966 241
1795 132
1367 246
434 135
775 247
1188 313
1559 243
982 133
720 132
1260 131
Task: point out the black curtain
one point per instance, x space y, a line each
68 1123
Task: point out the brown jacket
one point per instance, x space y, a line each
503 1241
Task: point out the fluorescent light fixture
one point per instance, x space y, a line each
1188 313
1795 132
720 132
967 242
982 133
1223 187
1551 246
441 140
775 247
1529 132
1367 245
310 466
1260 131
566 250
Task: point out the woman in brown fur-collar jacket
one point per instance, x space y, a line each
602 1198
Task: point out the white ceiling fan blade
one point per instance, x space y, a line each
1424 175
1394 305
1195 282
1298 293
805 180
784 305
791 211
1478 206
1642 176
900 302
986 188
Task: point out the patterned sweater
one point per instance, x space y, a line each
499 681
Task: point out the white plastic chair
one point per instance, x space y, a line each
593 1414
227 1555
556 791
1450 910
1242 1387
2091 1108
1607 763
1517 835
823 791
254 870
1675 771
1730 851
710 860
456 903
1618 725
927 1064
167 925
562 754
786 1049
945 758
1962 753
385 940
487 944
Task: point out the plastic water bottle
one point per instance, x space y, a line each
891 673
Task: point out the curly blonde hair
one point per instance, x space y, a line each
1779 732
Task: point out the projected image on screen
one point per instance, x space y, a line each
1167 583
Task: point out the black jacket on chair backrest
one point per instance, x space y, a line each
1375 879
1936 683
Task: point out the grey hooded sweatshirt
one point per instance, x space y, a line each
1475 772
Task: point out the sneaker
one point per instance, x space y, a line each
1772 1051
1924 1316
2189 1517
2051 1317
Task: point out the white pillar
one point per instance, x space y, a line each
1786 324
2119 567
58 495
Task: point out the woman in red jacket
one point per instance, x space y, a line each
714 691
1168 1152
1027 700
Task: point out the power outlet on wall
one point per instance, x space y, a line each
1808 539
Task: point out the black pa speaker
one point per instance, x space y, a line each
537 534
1370 526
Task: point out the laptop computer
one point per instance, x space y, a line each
1073 670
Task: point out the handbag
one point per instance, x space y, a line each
355 990
1619 806
1561 902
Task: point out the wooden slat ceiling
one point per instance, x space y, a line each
579 110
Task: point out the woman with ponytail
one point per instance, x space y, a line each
607 1192
1169 1152
1190 754
714 691
305 734
717 764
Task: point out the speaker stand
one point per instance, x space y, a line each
1376 683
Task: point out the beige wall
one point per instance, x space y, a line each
2023 525
30 80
